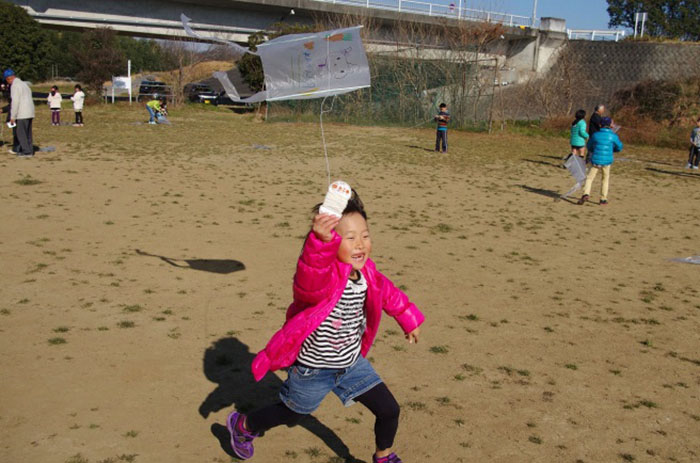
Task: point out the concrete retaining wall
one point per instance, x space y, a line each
612 66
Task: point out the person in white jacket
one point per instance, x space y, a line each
78 100
55 99
21 114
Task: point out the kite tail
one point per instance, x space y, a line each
188 30
572 190
230 90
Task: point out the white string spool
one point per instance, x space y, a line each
336 199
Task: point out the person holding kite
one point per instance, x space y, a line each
339 297
602 145
578 134
442 118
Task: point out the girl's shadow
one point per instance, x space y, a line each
227 362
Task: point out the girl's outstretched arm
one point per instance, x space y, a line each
314 268
405 312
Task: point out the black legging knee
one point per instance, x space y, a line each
268 417
378 400
382 403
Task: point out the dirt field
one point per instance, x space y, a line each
143 266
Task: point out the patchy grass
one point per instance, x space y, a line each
439 349
28 180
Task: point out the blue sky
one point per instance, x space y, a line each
579 14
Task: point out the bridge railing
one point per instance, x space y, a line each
450 10
588 34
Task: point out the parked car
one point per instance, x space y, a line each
148 88
201 93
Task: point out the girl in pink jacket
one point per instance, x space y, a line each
338 300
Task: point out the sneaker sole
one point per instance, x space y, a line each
230 426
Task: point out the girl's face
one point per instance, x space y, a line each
356 245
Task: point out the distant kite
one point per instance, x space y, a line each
303 66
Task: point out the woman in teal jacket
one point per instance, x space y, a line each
578 134
602 145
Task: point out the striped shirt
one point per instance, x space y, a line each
337 341
442 123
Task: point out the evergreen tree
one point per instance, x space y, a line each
99 58
26 48
145 55
65 46
678 19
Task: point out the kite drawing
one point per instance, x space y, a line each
302 66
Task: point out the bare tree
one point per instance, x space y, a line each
184 54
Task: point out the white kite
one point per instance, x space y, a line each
303 66
577 167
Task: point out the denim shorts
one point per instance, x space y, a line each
305 388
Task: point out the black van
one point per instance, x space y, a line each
148 88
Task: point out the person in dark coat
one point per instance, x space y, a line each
594 124
5 91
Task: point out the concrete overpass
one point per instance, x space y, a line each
523 48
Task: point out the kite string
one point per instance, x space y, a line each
323 137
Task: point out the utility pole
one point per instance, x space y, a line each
534 13
637 18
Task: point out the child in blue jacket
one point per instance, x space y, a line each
602 145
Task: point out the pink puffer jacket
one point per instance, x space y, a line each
318 285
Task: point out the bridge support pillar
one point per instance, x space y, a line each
537 53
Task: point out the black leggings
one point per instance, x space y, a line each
378 400
78 117
693 155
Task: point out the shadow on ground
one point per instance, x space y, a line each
544 163
222 266
679 174
415 147
548 193
227 363
549 156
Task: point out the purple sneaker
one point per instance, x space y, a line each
391 458
241 440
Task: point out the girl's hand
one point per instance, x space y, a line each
323 226
413 336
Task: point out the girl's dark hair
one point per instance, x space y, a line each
580 114
355 205
54 87
79 87
443 105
